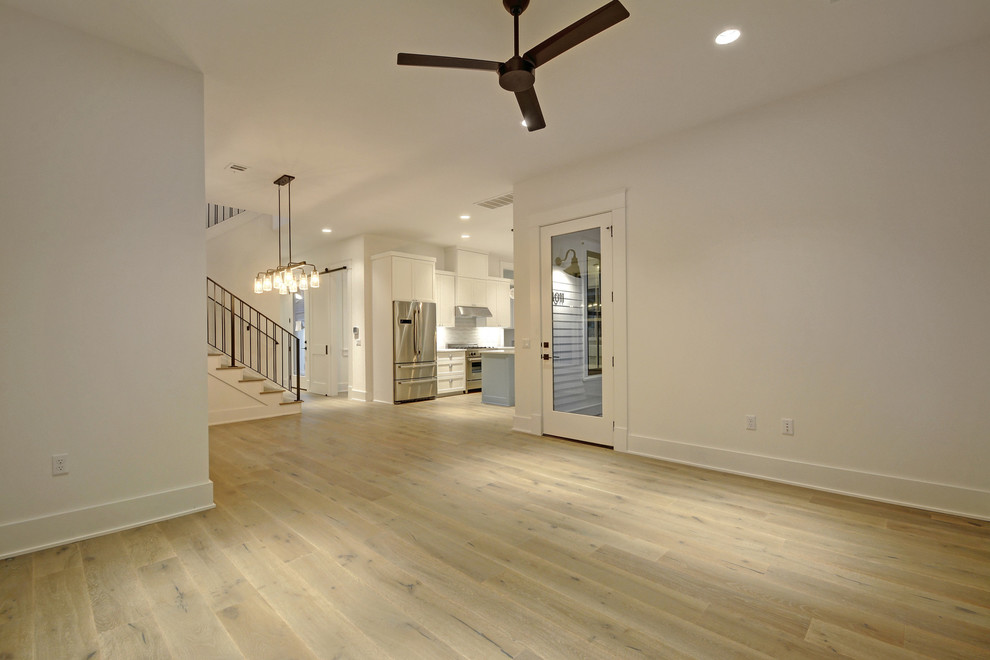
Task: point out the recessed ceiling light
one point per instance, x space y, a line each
523 122
327 230
727 36
465 217
465 235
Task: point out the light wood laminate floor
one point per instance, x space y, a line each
431 530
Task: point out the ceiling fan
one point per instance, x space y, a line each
517 73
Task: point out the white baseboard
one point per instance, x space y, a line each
532 424
945 498
217 417
620 436
24 536
357 395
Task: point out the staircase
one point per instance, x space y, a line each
251 361
238 394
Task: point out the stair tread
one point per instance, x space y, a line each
226 368
250 379
272 391
289 403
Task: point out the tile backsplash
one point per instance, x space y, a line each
465 332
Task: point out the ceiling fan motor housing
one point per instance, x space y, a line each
516 75
515 7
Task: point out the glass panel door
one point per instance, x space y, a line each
577 377
577 384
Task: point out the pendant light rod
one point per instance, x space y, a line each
293 275
284 180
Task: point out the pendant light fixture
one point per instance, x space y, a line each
293 276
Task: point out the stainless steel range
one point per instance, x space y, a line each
472 364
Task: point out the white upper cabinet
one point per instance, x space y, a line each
467 263
410 277
445 299
498 301
472 291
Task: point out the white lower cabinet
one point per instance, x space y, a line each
450 372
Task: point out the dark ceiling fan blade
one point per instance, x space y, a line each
410 59
531 112
597 21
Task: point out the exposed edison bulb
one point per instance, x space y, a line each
283 289
258 286
277 281
314 280
266 284
293 287
303 282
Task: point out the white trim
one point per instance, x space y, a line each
945 498
614 203
533 425
621 437
24 536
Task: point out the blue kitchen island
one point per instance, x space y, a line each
498 377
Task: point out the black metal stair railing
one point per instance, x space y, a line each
251 339
215 214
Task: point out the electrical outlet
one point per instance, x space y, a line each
60 464
750 422
787 426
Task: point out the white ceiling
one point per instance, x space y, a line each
311 88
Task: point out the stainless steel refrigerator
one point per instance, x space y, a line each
414 335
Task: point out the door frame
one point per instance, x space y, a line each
615 206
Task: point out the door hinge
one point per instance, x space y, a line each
609 228
613 361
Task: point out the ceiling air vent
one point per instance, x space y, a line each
496 202
234 167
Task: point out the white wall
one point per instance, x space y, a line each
103 263
822 258
236 250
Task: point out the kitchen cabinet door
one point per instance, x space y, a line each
445 299
503 315
421 276
412 279
497 300
401 279
471 291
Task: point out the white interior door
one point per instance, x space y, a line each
577 329
340 331
318 339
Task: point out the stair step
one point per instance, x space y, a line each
290 403
250 379
272 391
226 368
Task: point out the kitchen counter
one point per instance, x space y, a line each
498 377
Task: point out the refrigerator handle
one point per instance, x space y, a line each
415 331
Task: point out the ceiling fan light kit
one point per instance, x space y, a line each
518 73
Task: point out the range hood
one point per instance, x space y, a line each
467 311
